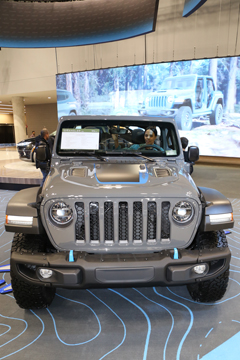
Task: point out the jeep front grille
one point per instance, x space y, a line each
118 223
158 101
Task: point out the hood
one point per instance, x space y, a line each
172 92
108 180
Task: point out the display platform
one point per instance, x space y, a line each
16 174
123 323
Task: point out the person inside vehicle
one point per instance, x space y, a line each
32 134
150 136
43 154
184 142
199 95
210 92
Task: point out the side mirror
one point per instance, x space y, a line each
193 153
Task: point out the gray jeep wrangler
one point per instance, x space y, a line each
184 98
117 216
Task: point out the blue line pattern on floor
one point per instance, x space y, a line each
137 323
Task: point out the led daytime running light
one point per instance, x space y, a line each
221 218
19 220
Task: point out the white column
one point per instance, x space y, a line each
19 118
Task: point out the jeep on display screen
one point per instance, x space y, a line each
184 98
118 209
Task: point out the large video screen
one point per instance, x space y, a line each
203 96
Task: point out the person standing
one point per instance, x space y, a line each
43 154
33 134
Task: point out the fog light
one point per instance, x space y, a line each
45 273
200 269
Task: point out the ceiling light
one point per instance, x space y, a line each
49 97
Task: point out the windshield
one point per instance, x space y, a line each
178 82
111 137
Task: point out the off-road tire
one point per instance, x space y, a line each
217 114
72 112
210 290
184 118
30 296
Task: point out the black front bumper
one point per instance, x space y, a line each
119 270
24 154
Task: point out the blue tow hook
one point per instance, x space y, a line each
175 255
71 258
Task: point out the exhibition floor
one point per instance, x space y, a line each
15 171
128 323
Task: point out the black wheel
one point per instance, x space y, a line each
210 290
30 296
73 112
217 114
184 118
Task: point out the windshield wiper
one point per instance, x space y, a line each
129 153
80 152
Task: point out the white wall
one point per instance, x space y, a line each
40 116
211 31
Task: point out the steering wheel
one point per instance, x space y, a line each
154 146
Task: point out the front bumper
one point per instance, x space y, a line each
24 154
119 270
168 113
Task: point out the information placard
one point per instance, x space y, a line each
80 139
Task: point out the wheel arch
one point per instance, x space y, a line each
214 203
25 203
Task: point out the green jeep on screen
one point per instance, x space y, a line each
118 209
185 97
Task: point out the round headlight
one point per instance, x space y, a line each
170 99
61 213
182 212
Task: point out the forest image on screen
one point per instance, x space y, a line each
203 96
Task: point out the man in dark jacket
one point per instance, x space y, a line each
43 154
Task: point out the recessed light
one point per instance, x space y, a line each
49 97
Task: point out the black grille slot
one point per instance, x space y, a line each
108 221
165 230
137 221
151 220
123 221
94 221
80 224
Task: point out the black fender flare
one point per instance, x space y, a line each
214 203
25 203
